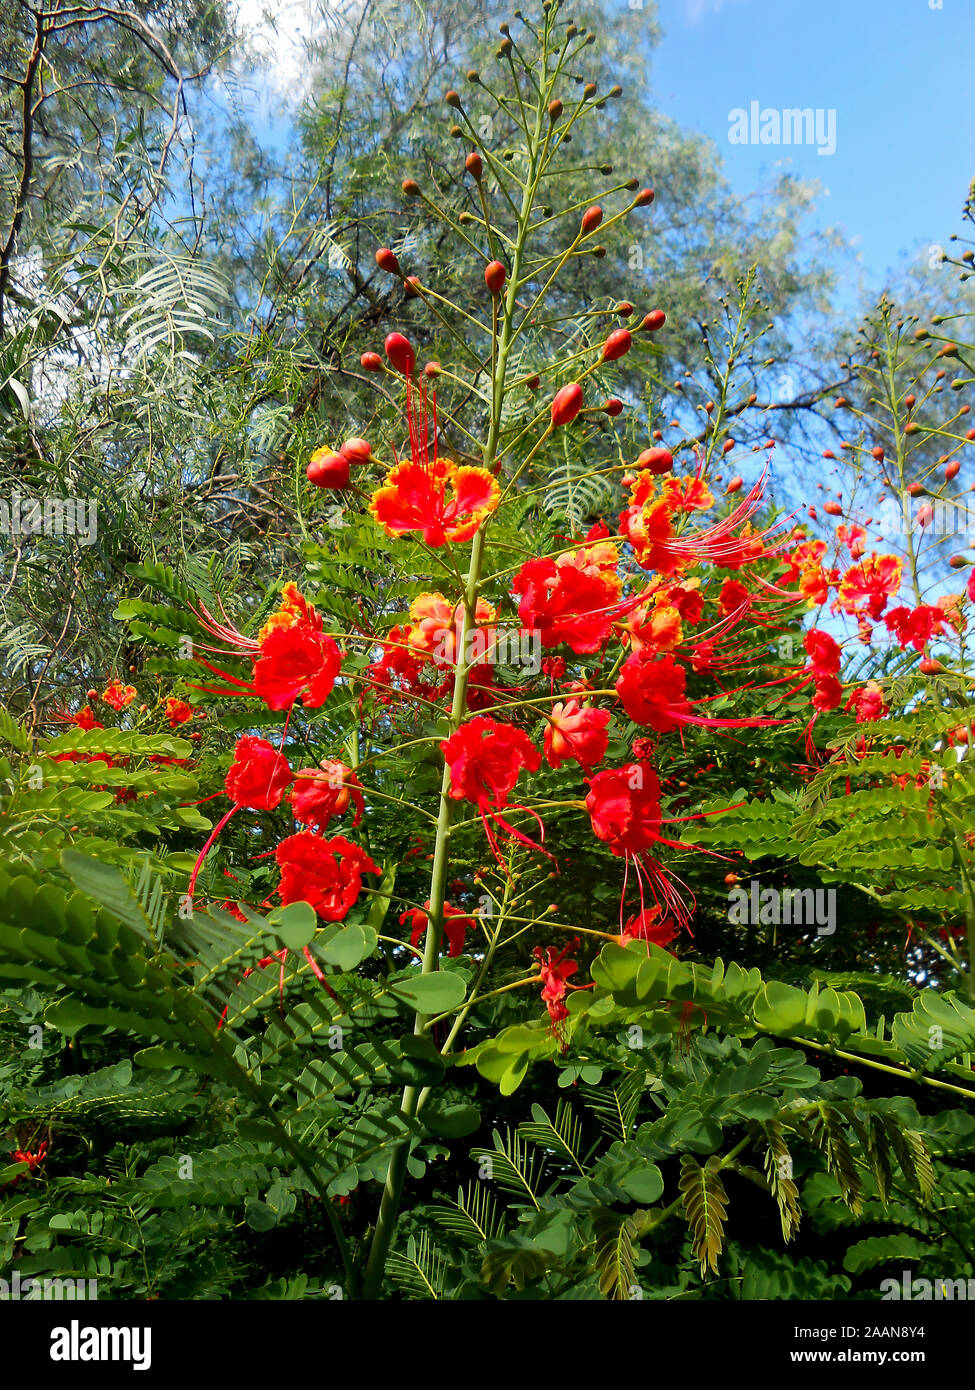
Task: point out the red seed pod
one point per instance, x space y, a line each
734 485
614 406
495 276
929 666
474 166
400 352
357 450
727 446
952 470
832 508
591 219
386 260
328 470
411 188
432 369
656 460
566 404
617 345
644 198
653 321
371 362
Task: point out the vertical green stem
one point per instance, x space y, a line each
396 1176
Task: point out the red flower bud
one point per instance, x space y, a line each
400 352
877 453
474 166
617 345
371 362
832 508
328 470
591 219
654 320
411 188
432 369
614 406
495 276
644 198
727 446
929 666
624 309
952 470
386 260
357 450
735 484
656 460
533 383
566 404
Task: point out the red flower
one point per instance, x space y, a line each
829 694
292 656
624 807
652 692
117 695
326 791
568 600
325 873
576 731
485 759
555 967
915 626
414 497
868 702
869 583
84 719
455 925
178 712
733 596
648 926
259 776
824 653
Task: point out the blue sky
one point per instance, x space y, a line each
897 73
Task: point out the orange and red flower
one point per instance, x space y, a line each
259 775
455 925
576 731
321 793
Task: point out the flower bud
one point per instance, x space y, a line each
617 345
566 404
432 369
644 198
356 450
832 508
371 362
411 188
495 276
727 446
400 352
734 485
386 260
591 219
452 98
412 286
952 470
653 321
328 470
614 406
474 165
929 666
657 460
554 109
